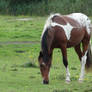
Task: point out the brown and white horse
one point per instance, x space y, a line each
65 31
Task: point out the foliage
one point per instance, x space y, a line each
44 7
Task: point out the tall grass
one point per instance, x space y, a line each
41 7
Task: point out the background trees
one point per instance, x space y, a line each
44 7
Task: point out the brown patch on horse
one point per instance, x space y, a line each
73 22
59 37
59 20
77 35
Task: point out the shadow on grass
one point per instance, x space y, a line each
73 68
20 51
74 78
29 65
60 77
64 90
88 90
25 65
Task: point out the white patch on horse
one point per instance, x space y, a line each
48 22
67 28
67 75
82 19
83 62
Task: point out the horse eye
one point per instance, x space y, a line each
41 65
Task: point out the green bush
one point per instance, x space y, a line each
44 7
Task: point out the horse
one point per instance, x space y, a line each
65 31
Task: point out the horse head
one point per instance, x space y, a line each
44 67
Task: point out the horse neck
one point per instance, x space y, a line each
47 41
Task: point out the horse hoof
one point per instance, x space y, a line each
68 81
45 82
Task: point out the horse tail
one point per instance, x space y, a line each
89 59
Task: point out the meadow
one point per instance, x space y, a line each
19 68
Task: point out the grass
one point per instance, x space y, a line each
19 69
12 29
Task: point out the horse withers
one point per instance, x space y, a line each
65 31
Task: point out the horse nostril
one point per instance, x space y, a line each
45 82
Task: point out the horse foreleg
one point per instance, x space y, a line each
65 62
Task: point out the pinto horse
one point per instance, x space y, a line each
65 31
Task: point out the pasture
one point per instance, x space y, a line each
19 69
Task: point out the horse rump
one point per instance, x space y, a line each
88 65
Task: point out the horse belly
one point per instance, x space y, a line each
77 36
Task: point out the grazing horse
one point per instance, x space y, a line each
65 31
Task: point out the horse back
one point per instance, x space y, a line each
64 19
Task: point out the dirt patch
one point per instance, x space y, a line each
24 19
19 42
21 19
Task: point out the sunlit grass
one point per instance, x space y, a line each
19 30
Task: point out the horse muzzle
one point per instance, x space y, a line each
45 82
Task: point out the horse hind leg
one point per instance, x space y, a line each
83 60
78 51
65 62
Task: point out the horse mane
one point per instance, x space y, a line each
44 46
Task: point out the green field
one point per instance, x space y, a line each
19 69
